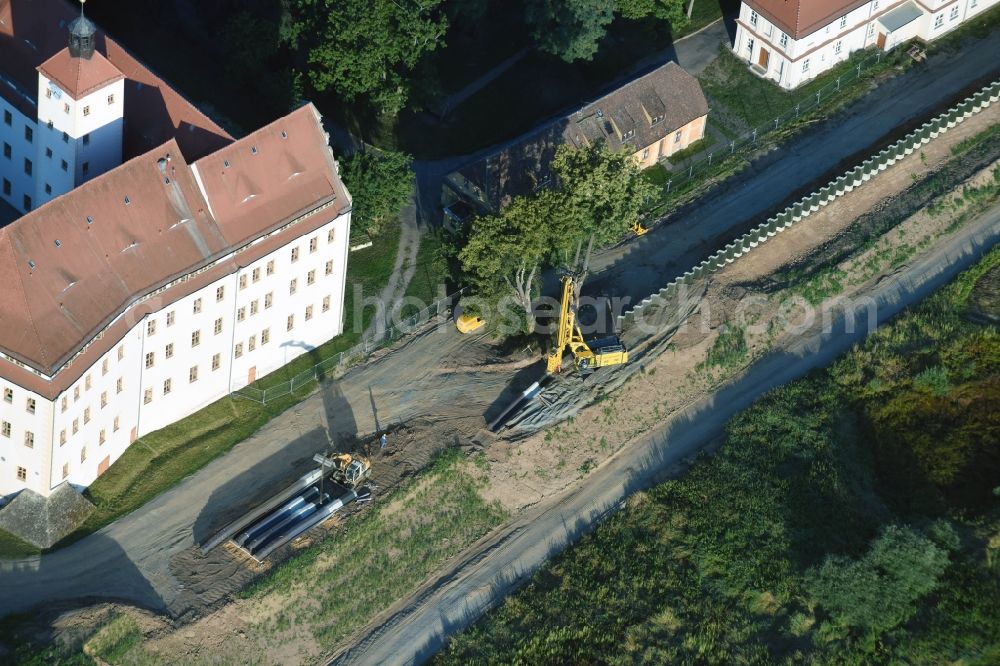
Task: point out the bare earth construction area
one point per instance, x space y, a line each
440 523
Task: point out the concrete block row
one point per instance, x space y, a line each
813 202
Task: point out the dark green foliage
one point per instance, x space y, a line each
359 48
380 183
804 540
879 591
674 11
570 29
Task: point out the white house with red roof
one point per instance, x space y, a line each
158 264
792 41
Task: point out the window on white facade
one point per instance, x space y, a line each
8 395
329 264
62 438
313 244
309 312
29 439
147 396
86 415
119 385
22 474
293 285
111 100
326 303
677 136
167 386
193 374
256 275
104 399
239 350
30 405
875 5
270 267
102 436
5 429
170 318
65 470
64 403
311 277
843 21
265 336
330 233
83 454
220 293
150 359
116 424
104 367
169 350
216 361
196 338
954 13
252 343
197 305
295 254
871 29
783 40
645 153
753 18
243 282
938 21
291 323
837 47
151 327
750 45
268 300
86 110
241 314
254 307
805 65
218 326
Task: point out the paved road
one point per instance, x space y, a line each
639 268
485 575
144 557
134 559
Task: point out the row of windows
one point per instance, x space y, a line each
6 429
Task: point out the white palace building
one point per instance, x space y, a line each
792 41
158 263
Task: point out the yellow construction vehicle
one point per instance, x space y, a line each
638 229
588 357
348 469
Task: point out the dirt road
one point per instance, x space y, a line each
489 572
145 557
141 557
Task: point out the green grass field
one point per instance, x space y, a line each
850 517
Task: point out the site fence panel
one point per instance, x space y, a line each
812 202
339 362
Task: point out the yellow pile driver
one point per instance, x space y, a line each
588 357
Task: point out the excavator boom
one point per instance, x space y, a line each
587 357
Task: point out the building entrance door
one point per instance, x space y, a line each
881 40
764 57
252 375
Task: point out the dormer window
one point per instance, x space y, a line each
127 200
253 150
225 163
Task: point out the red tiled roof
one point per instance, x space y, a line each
79 76
66 277
33 31
800 18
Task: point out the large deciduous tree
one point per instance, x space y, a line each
380 183
570 29
667 10
506 253
361 48
599 196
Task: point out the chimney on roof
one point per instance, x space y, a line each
81 36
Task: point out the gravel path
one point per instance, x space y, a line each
486 574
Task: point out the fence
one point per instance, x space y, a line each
813 202
748 141
335 366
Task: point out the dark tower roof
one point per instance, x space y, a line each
81 37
